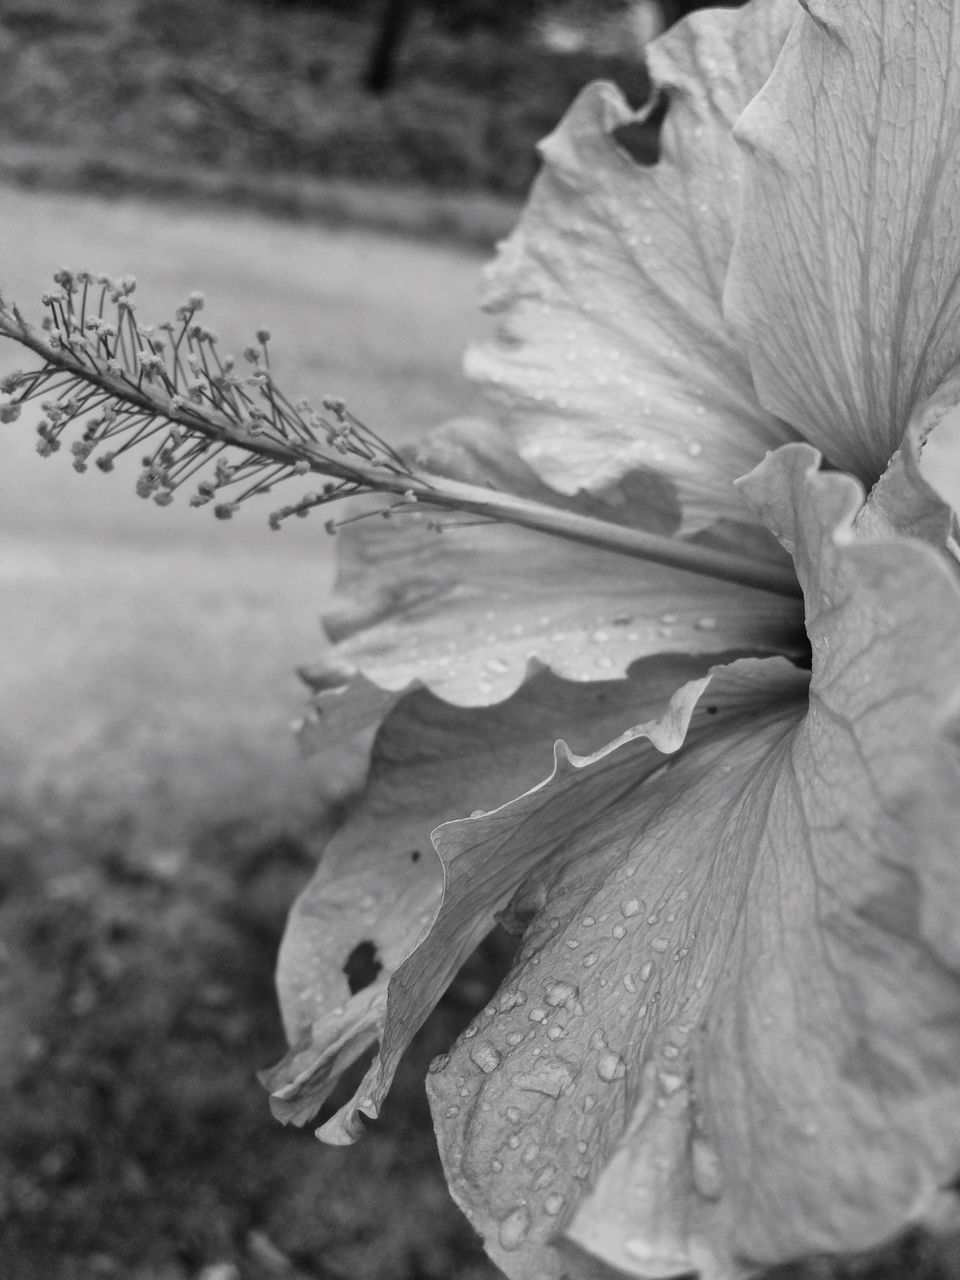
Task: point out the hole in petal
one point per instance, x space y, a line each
361 967
641 138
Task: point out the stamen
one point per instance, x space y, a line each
126 386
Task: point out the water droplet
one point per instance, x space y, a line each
694 448
513 1142
554 1032
513 1114
553 1203
707 1174
630 983
451 1112
529 1154
653 1254
572 943
660 945
646 970
588 921
470 1032
619 931
515 1227
706 624
610 1066
598 1040
559 993
600 636
630 908
669 1081
497 665
439 1063
514 1037
545 1177
510 1000
496 1166
590 960
538 1015
485 1056
589 1102
550 1078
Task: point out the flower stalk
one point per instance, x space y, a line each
128 386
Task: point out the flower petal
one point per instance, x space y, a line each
613 352
844 281
738 990
379 882
468 610
905 499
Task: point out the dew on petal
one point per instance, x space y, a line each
610 1066
553 1203
485 1056
559 993
515 1227
660 945
630 908
707 1174
545 1177
550 1078
510 1000
670 1082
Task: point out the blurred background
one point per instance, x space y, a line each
338 172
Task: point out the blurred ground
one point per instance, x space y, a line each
155 817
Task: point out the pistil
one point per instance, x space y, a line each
125 386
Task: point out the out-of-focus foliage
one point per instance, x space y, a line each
250 87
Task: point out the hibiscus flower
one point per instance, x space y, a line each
730 1035
731 1031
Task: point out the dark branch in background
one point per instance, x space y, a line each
393 24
